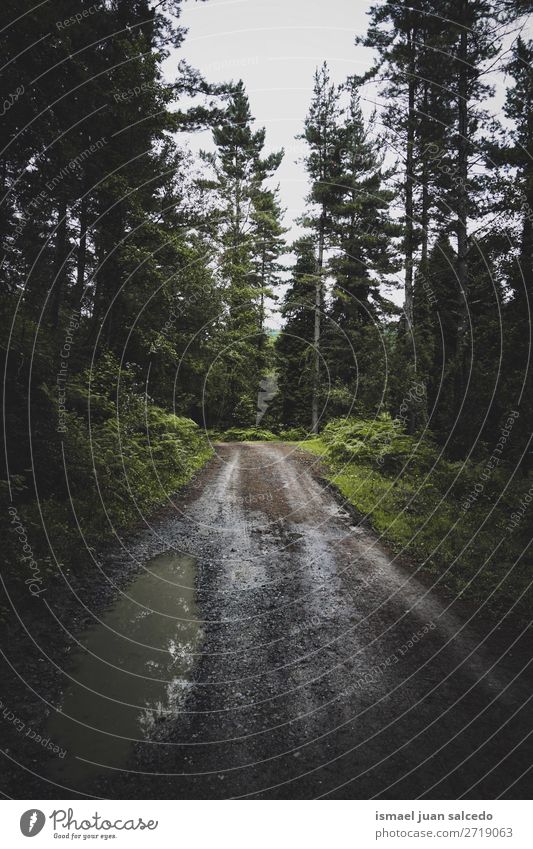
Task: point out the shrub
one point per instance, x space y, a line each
250 434
381 441
452 518
296 434
116 469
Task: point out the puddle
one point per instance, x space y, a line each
134 669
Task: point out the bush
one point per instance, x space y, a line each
131 457
381 441
455 519
296 434
250 434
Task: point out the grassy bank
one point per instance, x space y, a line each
258 434
96 470
461 522
123 471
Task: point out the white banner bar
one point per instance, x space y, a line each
267 825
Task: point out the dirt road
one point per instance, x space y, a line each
321 666
329 669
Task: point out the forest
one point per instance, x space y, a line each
139 278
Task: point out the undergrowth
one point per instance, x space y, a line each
454 519
111 458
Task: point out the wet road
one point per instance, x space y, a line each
271 647
327 668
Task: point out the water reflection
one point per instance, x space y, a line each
133 671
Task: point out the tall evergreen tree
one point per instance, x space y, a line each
413 61
472 23
362 235
395 32
510 197
295 345
321 134
244 210
89 174
433 79
269 245
435 334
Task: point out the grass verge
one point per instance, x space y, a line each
426 511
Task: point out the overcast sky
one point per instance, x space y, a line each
274 46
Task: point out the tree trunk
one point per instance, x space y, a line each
462 211
108 275
318 307
526 243
60 270
409 189
424 219
4 210
82 252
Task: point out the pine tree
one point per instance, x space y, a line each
362 241
321 134
517 154
435 334
295 345
414 63
268 245
395 32
239 186
510 188
472 22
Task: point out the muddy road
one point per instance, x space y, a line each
321 666
327 668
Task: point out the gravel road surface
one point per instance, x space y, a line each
323 666
328 668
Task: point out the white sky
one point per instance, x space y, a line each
274 46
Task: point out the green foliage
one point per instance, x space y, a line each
118 471
248 237
250 434
434 510
294 434
382 441
294 346
245 412
102 473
